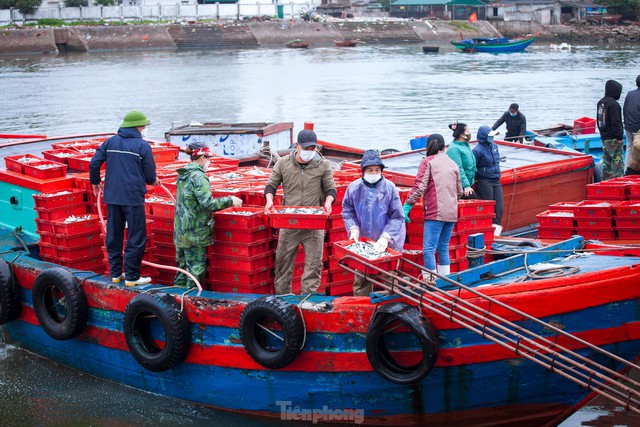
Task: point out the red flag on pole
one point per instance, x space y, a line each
473 17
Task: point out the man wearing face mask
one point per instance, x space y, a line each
516 124
130 167
307 180
371 208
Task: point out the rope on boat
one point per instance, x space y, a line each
473 253
304 325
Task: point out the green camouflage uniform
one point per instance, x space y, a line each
193 222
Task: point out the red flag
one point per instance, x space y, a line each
473 17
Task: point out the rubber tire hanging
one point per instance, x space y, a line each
45 303
288 319
141 341
378 354
9 302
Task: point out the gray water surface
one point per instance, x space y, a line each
372 96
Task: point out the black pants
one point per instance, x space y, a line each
489 190
134 218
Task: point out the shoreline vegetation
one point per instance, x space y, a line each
51 36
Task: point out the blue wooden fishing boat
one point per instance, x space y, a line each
494 44
524 340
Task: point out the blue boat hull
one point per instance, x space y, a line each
507 47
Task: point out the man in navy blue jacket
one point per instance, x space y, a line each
130 167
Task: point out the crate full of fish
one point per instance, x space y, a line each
241 217
299 217
364 253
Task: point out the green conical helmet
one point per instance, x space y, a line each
134 119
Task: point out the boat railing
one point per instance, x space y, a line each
555 351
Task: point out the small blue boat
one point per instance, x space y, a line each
494 44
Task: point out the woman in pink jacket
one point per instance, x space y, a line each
438 180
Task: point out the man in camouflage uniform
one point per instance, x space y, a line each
193 221
609 120
307 180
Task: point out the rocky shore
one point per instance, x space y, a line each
242 34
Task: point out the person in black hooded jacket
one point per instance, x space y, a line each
609 120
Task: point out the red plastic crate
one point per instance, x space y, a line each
165 250
85 264
594 223
161 224
80 145
160 207
342 287
562 206
417 213
627 223
473 208
164 154
241 249
628 209
243 264
163 237
71 196
62 212
590 233
229 218
415 239
593 209
551 219
239 278
74 241
335 220
60 155
337 235
16 163
166 260
249 235
555 233
628 234
385 263
298 221
265 287
457 251
91 224
473 223
459 264
45 169
608 190
81 163
93 250
584 125
338 276
415 227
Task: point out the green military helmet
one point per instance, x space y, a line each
134 119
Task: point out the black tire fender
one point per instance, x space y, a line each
139 314
59 303
9 301
378 354
254 338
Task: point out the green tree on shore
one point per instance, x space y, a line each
24 6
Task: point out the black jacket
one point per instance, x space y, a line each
516 125
631 111
130 166
609 114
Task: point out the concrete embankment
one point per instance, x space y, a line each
217 35
238 34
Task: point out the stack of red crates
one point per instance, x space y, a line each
65 240
161 211
474 216
149 252
241 259
37 167
627 219
592 219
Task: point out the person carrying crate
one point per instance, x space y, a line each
307 180
372 208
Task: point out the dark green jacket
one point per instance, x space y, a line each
193 222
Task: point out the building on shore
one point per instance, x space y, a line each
441 9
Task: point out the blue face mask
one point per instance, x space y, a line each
513 114
490 139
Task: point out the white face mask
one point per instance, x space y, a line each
144 132
372 177
307 156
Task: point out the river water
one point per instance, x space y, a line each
372 96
